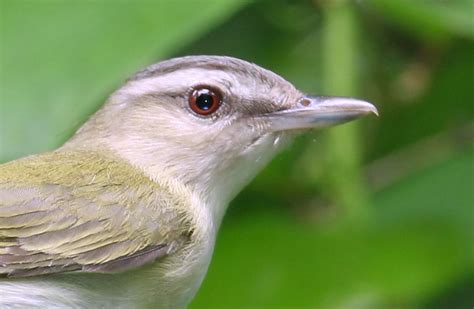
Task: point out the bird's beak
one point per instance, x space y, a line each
319 112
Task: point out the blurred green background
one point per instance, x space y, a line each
378 213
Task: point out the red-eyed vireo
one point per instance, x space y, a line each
125 214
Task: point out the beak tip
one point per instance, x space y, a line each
364 106
349 104
374 110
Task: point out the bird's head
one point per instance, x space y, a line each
209 122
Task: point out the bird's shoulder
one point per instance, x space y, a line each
84 211
70 168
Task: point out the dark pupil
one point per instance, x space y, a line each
204 101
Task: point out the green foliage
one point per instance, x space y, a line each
377 213
430 19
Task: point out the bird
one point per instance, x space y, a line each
125 213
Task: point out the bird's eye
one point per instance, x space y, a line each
204 100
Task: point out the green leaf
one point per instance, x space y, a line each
430 19
420 243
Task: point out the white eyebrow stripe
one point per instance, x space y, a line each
177 80
182 80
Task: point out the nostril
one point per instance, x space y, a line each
305 102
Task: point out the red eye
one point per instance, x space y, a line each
204 100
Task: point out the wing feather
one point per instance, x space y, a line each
89 219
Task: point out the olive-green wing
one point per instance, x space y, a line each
97 220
